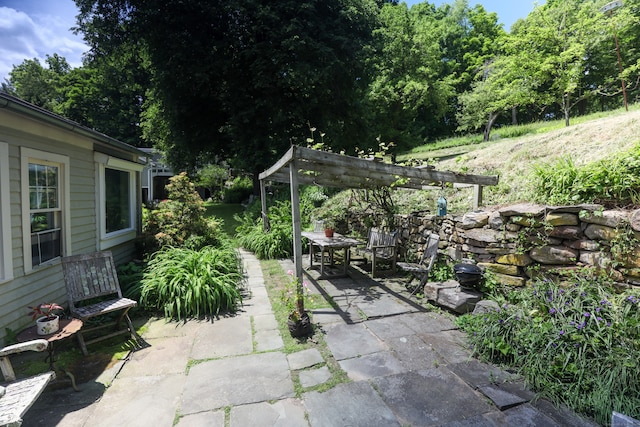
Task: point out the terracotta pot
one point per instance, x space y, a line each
301 327
328 232
46 326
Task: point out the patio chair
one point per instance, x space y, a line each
423 268
93 290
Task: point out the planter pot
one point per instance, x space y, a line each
45 326
328 232
301 327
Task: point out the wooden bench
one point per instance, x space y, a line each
422 268
381 246
93 290
17 396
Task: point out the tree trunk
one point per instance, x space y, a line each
565 109
514 116
487 129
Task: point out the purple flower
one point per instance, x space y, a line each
554 345
608 323
599 319
598 309
587 314
552 311
561 333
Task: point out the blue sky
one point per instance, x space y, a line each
34 28
509 11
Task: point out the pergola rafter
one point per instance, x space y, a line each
302 165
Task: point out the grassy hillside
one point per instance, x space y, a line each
588 139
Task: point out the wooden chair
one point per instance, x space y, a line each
17 396
381 246
423 268
93 290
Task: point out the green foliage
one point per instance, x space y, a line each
129 276
272 244
612 181
213 177
187 283
239 191
179 220
575 341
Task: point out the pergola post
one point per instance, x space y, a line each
297 231
263 202
477 196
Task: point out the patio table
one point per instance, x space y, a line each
329 245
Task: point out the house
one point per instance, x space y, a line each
64 189
155 177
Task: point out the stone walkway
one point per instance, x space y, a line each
405 367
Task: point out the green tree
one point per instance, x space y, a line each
505 85
36 84
213 177
241 79
552 40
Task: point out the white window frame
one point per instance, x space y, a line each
6 253
109 240
28 155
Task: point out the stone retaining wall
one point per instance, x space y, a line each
516 242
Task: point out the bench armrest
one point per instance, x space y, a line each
34 345
5 364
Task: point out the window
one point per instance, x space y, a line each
117 200
117 189
45 206
6 265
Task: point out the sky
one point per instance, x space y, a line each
36 28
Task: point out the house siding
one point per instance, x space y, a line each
45 283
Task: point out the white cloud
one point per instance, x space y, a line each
24 36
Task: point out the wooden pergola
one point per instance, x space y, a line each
302 165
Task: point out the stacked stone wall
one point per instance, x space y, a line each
518 242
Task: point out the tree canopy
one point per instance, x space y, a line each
206 80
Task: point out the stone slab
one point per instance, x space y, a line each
478 374
150 401
163 356
426 322
283 413
347 341
412 352
372 365
161 328
268 340
500 397
349 404
304 359
384 305
226 337
389 327
429 397
238 380
203 419
265 322
449 345
314 377
522 416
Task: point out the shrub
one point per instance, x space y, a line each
188 283
612 181
179 221
272 244
575 342
240 190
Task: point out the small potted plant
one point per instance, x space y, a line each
293 297
329 227
47 321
